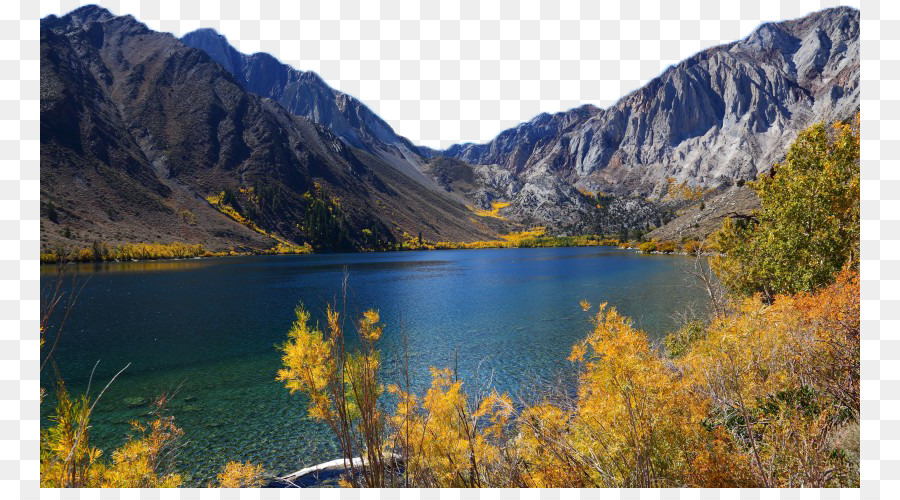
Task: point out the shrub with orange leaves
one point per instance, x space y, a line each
635 422
784 379
691 247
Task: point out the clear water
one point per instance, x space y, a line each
210 329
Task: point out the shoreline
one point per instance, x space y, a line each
588 241
44 264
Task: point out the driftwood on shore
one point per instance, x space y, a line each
330 468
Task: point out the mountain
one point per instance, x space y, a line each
722 115
144 139
304 93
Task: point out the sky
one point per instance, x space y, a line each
463 71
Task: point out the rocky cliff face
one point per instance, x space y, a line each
304 93
137 129
726 113
722 115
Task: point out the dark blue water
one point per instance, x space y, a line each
209 328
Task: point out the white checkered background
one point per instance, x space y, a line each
442 73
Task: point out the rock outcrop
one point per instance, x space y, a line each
722 115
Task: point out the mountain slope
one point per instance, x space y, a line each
727 113
137 130
140 129
304 93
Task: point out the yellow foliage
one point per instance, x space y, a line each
635 423
533 238
129 251
68 460
342 386
667 247
242 475
544 444
288 248
136 464
517 237
307 363
648 247
154 251
444 443
682 191
494 212
692 247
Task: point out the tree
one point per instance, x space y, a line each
634 423
342 387
807 229
51 212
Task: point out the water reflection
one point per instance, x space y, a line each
140 266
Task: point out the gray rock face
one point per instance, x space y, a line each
724 114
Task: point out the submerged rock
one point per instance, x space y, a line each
136 402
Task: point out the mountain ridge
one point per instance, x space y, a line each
842 23
139 132
723 115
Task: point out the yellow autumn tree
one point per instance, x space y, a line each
634 425
342 387
445 442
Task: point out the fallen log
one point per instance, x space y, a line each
309 476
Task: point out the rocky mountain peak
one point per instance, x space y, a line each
725 113
189 117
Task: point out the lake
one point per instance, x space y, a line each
210 329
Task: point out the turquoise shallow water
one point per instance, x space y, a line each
210 328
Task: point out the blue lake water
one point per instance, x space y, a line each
210 328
